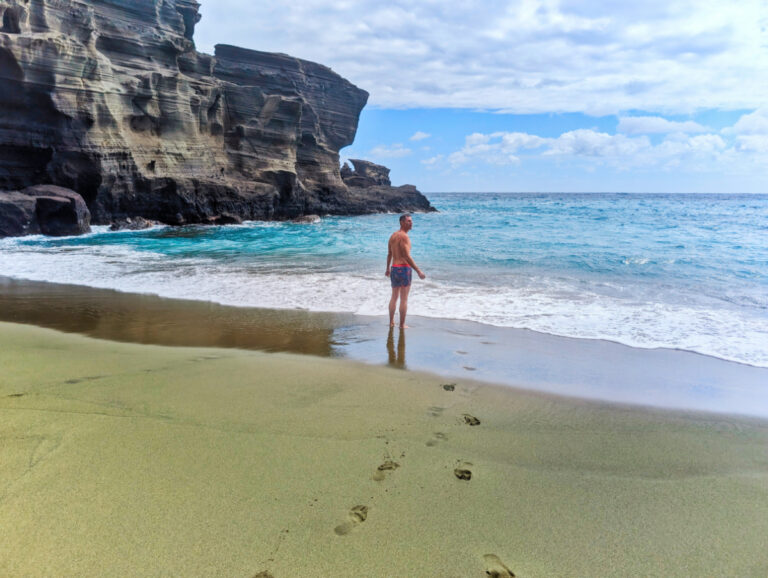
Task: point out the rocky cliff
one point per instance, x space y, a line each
109 98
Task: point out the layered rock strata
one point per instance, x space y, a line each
110 99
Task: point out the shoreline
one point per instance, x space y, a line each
581 368
138 459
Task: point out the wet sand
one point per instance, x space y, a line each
581 368
141 460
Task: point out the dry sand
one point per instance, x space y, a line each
137 460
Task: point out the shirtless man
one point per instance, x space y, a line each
399 256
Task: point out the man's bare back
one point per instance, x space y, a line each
400 247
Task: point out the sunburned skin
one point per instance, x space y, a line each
399 255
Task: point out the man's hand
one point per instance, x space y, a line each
421 275
387 272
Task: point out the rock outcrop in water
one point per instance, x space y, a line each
370 187
110 99
45 209
365 174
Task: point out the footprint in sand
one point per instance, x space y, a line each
495 568
439 437
206 358
463 472
449 386
459 352
384 469
264 574
357 516
82 379
470 368
470 419
436 411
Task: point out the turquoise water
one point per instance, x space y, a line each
678 271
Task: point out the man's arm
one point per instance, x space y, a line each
389 257
411 262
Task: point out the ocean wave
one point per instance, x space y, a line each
554 305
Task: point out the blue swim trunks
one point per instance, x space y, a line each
400 275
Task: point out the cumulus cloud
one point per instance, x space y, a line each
657 125
394 151
418 135
523 56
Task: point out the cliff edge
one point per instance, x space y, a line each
109 98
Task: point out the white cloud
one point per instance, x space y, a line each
433 161
523 56
707 143
754 143
499 148
657 124
394 151
590 143
698 153
418 135
753 123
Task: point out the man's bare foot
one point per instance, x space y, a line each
405 326
391 323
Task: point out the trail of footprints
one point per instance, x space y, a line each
357 515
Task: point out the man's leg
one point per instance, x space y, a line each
404 304
393 305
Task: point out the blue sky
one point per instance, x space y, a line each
537 95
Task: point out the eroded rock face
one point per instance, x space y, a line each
110 98
372 191
365 174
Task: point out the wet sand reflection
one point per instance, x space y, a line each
396 358
149 319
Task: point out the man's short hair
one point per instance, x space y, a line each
404 217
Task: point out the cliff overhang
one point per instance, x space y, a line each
109 98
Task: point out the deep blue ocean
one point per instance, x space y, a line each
677 271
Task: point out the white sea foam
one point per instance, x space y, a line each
556 306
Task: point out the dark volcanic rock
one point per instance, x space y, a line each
17 215
111 99
307 219
371 190
366 174
132 224
227 219
43 209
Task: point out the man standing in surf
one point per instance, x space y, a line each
399 256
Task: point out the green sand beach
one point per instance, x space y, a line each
143 460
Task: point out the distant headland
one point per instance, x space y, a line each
112 101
